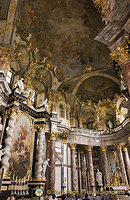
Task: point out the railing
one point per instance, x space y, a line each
97 132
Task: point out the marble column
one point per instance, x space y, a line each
83 169
121 164
8 142
52 161
105 165
127 161
90 167
64 141
48 172
39 155
73 168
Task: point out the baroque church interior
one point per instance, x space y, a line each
64 97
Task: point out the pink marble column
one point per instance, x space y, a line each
83 170
105 165
127 160
90 167
73 168
121 164
52 161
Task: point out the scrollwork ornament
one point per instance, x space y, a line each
121 54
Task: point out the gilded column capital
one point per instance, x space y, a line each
42 127
81 151
53 135
103 148
64 140
72 145
14 112
119 146
125 148
89 148
48 138
64 135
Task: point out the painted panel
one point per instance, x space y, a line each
22 145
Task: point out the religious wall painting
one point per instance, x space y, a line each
21 149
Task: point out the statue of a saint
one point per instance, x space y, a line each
110 124
19 86
44 167
99 178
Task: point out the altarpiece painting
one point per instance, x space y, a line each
21 149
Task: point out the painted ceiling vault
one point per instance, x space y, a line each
63 32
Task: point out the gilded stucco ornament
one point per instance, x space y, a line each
104 7
64 135
5 58
121 54
54 135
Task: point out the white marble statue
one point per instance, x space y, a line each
44 167
20 86
1 152
99 177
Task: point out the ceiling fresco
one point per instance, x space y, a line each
64 31
4 6
97 88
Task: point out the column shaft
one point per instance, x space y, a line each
122 165
73 169
90 166
127 161
105 165
8 142
48 172
39 156
52 162
83 170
